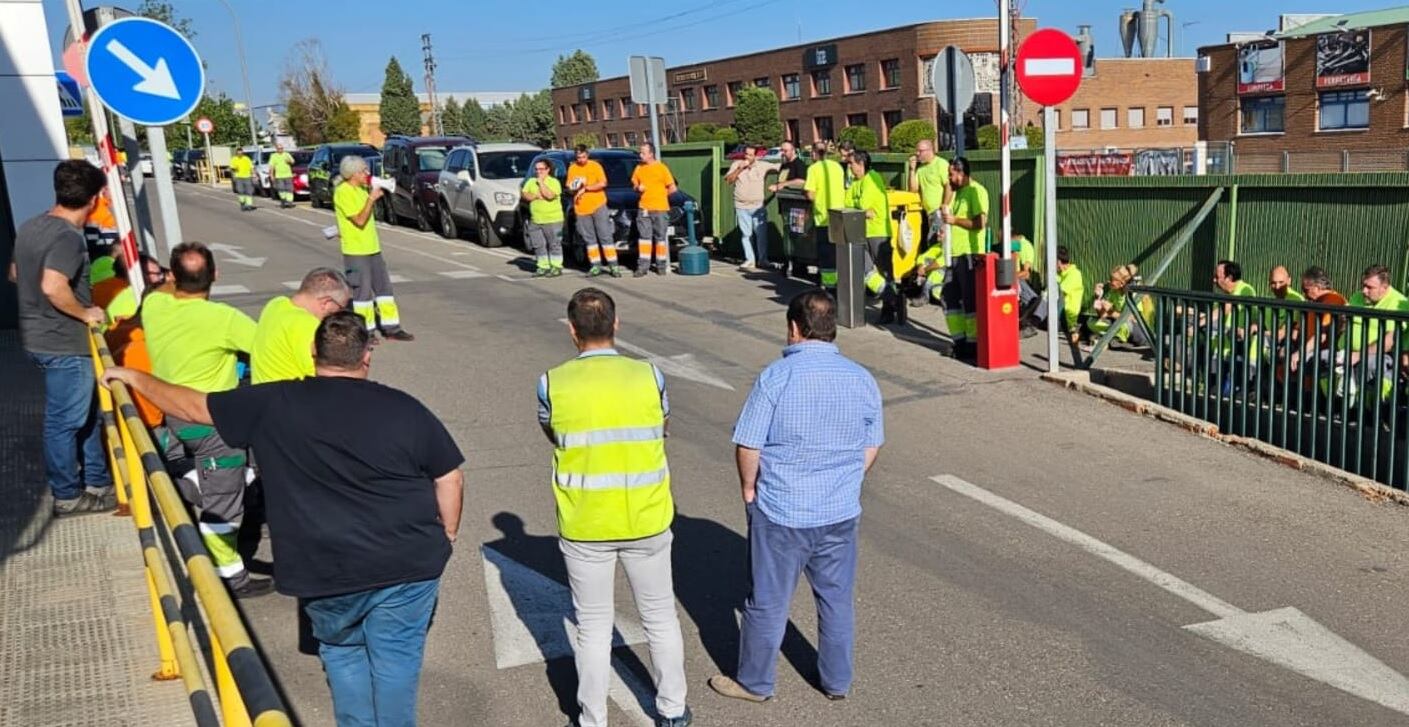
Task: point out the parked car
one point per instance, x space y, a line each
302 157
622 199
190 165
479 190
145 162
415 163
323 168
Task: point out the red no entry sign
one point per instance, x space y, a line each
204 126
1049 67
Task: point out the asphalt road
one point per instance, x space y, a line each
968 614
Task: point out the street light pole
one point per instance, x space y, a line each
244 72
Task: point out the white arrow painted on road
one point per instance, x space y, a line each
531 612
156 79
680 366
235 256
1285 636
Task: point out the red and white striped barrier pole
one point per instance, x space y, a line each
107 154
1005 89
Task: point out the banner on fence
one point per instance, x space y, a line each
1109 164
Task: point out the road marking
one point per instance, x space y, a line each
1285 636
292 284
218 290
464 274
530 613
682 366
397 279
512 279
233 254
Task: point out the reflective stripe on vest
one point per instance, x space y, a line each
610 476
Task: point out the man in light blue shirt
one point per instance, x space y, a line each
809 432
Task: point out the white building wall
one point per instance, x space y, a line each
32 137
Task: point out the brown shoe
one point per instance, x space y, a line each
726 687
400 334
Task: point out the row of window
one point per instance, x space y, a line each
1134 117
822 127
706 98
1335 111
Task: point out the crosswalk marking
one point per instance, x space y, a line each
462 274
217 290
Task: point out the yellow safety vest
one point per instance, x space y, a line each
610 477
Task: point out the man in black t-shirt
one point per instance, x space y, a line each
361 518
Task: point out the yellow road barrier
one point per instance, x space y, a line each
242 679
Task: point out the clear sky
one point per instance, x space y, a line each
493 45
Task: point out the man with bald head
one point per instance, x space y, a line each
929 177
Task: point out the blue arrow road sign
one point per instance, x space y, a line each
145 71
70 97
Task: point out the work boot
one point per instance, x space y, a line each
400 334
1028 331
540 273
555 272
615 271
660 269
640 273
594 271
248 587
86 503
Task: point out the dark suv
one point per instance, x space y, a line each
622 200
415 163
323 170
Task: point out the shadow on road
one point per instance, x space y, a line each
711 564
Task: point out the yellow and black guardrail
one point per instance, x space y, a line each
245 690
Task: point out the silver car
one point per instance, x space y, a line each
479 189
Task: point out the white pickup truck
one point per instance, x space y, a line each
479 189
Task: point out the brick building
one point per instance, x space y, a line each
1132 103
1325 96
874 79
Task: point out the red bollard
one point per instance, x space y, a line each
997 315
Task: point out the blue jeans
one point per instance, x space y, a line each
753 228
71 417
777 556
371 644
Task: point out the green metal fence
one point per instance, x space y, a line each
1325 382
1342 222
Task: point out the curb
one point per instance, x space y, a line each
1369 489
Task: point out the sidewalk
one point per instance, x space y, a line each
78 644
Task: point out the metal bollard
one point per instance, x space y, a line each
847 230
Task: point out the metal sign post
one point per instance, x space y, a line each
1049 146
1050 68
146 72
648 87
141 204
209 160
952 78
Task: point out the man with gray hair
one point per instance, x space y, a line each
283 339
362 250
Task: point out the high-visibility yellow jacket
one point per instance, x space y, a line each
610 476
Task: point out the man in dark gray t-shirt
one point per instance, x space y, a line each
50 269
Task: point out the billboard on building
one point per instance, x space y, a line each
1343 59
1260 67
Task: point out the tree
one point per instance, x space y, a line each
452 121
345 124
727 134
988 137
231 126
587 138
907 134
474 120
166 13
574 68
756 117
400 109
1036 137
861 136
311 98
530 119
703 131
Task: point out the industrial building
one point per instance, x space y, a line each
1318 94
369 115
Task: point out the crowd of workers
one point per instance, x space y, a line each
362 522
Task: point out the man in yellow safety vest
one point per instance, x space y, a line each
606 416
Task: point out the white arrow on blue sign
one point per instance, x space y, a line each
145 71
